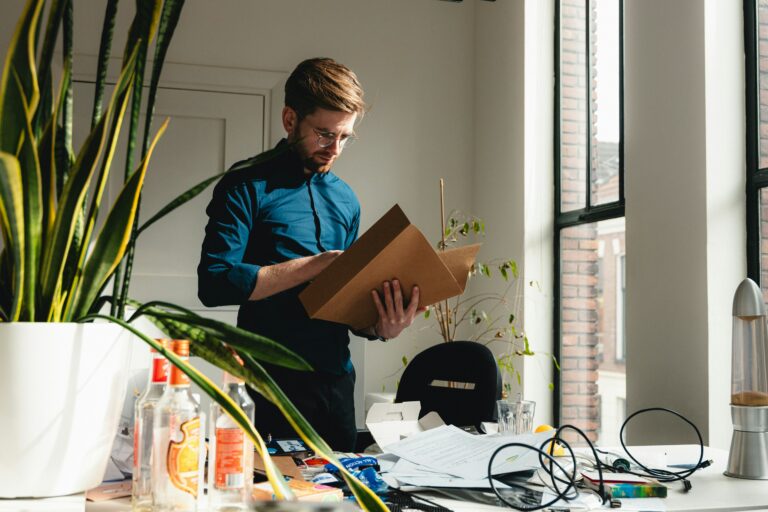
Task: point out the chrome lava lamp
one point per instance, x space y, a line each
749 385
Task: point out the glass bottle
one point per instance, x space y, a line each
230 466
177 470
144 414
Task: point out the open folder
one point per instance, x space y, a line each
392 248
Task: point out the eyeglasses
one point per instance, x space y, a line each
325 139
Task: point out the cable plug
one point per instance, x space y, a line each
687 485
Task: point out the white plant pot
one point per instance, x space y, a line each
61 392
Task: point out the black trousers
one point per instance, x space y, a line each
325 400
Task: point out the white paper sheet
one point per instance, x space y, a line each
450 450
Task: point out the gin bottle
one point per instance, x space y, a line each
177 467
230 466
144 413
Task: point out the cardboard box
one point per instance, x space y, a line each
304 491
390 422
285 463
391 248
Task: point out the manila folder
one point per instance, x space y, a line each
392 248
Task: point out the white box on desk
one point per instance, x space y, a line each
391 422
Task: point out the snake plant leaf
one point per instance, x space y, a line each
73 196
260 380
47 150
141 32
12 224
105 47
215 352
221 398
98 191
179 201
14 92
200 187
33 213
63 156
45 81
255 375
67 109
112 241
169 18
260 347
46 153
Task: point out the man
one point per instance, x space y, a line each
274 226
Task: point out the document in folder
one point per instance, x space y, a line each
392 248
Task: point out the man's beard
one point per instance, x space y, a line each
306 158
316 167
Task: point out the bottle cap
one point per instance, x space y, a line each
181 347
165 342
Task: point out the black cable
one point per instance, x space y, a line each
662 475
560 495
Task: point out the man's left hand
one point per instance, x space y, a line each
393 316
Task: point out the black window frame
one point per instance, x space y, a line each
590 213
757 178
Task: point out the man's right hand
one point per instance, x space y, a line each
273 279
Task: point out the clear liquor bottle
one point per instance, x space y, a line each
177 470
230 462
144 414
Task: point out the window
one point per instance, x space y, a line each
756 68
589 214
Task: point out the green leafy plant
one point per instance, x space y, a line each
53 265
491 318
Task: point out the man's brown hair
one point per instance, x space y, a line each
323 83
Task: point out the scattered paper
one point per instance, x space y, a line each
452 451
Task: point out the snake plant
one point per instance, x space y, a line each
54 266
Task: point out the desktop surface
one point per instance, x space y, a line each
712 491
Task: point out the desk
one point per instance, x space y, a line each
711 492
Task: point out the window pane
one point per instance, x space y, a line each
593 371
573 105
605 102
762 55
764 241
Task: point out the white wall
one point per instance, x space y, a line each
726 236
685 211
539 202
512 178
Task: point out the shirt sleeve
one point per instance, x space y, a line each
223 278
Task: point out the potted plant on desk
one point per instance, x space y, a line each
63 363
491 318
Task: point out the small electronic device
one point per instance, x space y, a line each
286 446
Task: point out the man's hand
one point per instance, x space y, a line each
393 317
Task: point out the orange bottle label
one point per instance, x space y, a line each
159 370
178 377
229 458
183 459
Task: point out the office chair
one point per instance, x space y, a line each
436 377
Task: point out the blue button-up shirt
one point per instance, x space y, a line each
268 213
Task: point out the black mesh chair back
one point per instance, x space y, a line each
459 380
